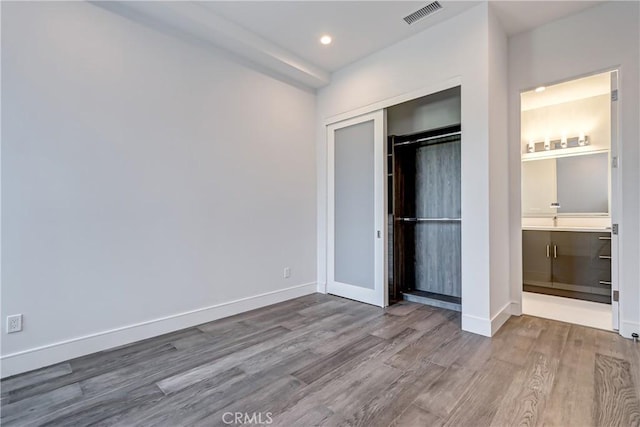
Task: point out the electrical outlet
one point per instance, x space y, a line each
287 272
14 323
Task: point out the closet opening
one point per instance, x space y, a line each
424 200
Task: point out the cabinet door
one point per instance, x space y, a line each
536 262
581 262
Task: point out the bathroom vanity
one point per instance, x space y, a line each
569 262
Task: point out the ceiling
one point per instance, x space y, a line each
282 37
358 28
520 16
586 87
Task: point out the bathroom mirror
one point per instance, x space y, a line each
580 184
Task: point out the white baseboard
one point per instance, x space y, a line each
516 308
486 327
39 357
322 287
627 328
476 325
501 317
569 310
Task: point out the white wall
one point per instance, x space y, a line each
609 37
590 115
143 179
418 64
499 172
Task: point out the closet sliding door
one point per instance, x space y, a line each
356 208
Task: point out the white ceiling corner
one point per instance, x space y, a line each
521 16
196 20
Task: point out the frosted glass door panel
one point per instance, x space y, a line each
354 207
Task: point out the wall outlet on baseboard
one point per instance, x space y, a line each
287 272
14 323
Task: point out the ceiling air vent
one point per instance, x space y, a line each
429 9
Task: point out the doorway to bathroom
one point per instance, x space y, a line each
569 156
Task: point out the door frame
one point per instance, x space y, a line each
615 176
378 296
615 207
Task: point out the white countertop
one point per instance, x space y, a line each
582 229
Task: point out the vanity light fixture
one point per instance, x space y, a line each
326 39
565 142
531 147
582 140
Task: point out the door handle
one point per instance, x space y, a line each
555 251
547 251
379 234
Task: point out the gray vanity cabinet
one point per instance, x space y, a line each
536 263
567 263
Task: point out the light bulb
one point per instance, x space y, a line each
582 140
563 141
326 39
547 143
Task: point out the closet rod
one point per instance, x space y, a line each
410 219
431 138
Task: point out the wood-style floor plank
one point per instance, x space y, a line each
552 338
35 407
574 386
402 308
258 404
35 377
321 360
616 397
525 400
105 364
423 348
416 416
481 401
95 410
441 397
314 371
393 398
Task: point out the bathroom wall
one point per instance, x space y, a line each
590 115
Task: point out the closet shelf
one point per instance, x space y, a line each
447 137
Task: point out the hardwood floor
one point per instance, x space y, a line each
324 360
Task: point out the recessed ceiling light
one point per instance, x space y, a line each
540 89
325 39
